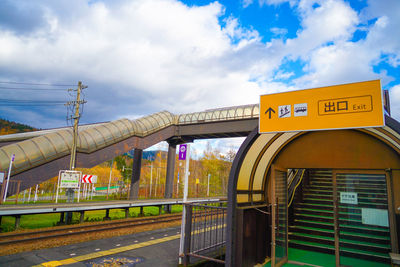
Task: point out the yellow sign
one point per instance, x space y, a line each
355 105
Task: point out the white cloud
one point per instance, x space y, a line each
277 2
341 63
181 56
144 56
331 21
279 31
246 3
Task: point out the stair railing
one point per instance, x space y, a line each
296 181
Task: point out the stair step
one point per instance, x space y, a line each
329 239
311 230
360 203
365 237
361 197
325 248
345 208
329 213
344 222
329 189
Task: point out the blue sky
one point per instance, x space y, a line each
142 56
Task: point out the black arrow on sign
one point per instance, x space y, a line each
269 110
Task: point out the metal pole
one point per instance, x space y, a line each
58 186
109 180
35 199
151 177
29 196
79 188
208 185
8 176
177 186
185 195
186 188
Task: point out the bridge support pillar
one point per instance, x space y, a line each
159 210
17 221
137 164
107 217
61 218
126 213
82 217
141 211
169 181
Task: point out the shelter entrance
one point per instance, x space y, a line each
340 193
341 213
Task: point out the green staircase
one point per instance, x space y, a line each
312 226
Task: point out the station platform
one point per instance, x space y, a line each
24 209
154 248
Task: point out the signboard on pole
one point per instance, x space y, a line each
355 105
70 179
89 179
182 151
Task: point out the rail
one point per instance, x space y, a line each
205 232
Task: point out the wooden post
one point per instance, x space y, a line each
2 193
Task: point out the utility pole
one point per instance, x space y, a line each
76 104
76 122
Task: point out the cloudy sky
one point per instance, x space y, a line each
139 57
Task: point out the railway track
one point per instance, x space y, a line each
23 237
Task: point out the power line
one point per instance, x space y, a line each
33 89
29 104
47 84
31 100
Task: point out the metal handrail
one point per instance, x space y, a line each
299 180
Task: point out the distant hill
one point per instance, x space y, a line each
10 127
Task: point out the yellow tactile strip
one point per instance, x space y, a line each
107 252
121 249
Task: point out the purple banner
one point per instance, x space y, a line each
182 152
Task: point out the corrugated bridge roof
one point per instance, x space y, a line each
35 149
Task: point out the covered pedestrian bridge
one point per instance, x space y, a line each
40 155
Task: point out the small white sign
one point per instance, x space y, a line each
300 110
1 177
348 198
375 217
285 111
70 179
